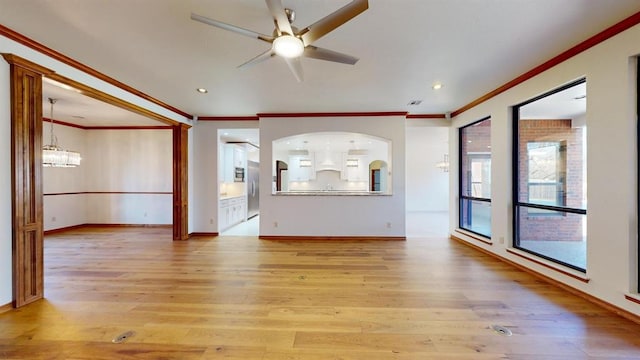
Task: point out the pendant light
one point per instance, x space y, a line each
54 156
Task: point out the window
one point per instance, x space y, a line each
550 179
475 177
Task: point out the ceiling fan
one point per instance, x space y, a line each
291 43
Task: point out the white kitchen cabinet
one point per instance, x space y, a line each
235 155
301 168
356 168
232 211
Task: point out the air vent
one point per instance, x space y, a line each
298 152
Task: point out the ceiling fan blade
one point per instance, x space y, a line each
279 16
233 28
328 23
295 65
329 55
258 59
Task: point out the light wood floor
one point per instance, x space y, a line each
244 298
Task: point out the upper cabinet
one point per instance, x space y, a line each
357 167
235 156
301 167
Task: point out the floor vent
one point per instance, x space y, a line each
501 330
123 337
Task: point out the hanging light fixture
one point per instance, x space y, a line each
52 155
444 164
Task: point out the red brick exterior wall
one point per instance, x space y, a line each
555 227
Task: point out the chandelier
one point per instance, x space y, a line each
54 156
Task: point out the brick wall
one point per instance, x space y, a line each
556 226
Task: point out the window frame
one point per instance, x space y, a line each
515 112
462 197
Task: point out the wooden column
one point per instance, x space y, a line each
180 182
26 153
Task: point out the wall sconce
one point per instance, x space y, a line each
444 164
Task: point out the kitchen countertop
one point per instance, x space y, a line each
226 197
330 193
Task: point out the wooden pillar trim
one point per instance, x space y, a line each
26 179
180 182
26 64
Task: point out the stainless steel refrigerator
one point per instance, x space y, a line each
253 189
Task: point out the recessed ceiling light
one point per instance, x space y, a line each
225 134
437 86
202 90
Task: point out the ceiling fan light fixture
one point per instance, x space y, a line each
288 46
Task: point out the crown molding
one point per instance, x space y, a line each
585 45
34 45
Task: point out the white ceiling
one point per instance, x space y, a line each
404 46
74 108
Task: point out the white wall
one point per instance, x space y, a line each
427 186
5 186
113 161
129 161
333 215
204 210
64 210
611 165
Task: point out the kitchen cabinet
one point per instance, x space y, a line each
235 155
356 168
301 168
232 211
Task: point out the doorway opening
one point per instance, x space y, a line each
239 182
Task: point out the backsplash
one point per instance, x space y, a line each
230 189
328 180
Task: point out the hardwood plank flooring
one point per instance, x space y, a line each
245 298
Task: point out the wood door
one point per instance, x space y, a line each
26 152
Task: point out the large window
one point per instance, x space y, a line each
475 177
550 180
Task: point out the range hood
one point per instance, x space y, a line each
328 161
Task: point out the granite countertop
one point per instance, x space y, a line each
330 193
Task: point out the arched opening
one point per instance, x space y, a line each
378 175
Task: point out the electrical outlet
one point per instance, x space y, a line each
145 214
501 239
388 225
53 219
275 224
211 221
